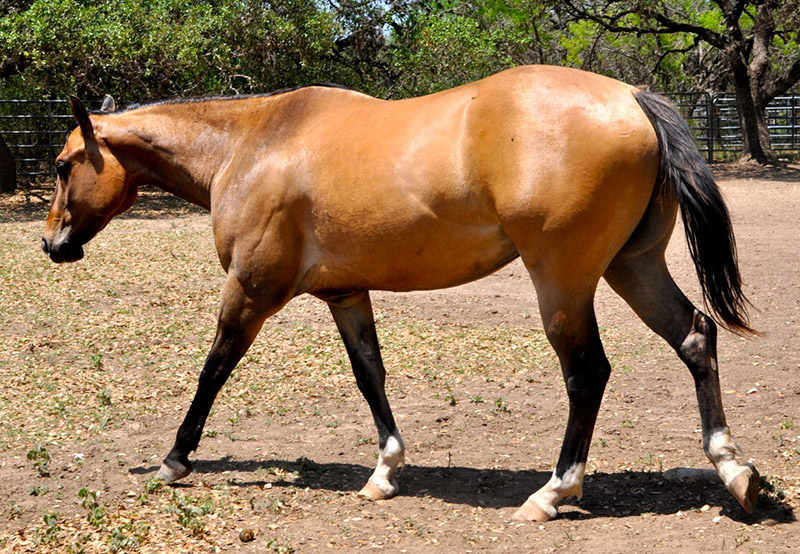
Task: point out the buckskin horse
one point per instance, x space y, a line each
327 191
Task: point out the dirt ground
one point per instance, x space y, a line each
98 362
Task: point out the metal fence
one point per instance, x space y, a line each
714 119
34 130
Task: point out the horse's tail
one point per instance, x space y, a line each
684 174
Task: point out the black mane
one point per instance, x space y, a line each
209 98
197 99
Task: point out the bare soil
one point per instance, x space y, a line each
98 362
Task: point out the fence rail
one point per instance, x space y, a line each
714 119
34 130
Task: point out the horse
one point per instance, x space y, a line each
326 191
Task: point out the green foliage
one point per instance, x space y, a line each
128 536
41 460
634 43
96 513
39 490
276 546
104 398
639 59
153 485
501 406
96 361
445 50
155 48
436 49
148 49
49 535
190 512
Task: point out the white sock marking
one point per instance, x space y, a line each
391 457
556 489
722 451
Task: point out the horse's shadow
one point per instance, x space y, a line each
623 494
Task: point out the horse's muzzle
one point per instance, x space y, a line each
62 252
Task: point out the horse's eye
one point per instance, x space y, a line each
62 168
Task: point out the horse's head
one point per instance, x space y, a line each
91 188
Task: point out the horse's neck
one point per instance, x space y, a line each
170 147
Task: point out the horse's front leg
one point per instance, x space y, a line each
240 319
354 319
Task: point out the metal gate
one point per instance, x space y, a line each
714 119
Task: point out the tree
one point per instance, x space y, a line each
438 45
756 40
11 63
150 49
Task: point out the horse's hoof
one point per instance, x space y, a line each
371 491
745 486
531 512
170 474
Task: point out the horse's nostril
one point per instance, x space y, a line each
45 246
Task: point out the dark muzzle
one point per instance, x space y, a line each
62 252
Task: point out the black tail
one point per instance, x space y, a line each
684 173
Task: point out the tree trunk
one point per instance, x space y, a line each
756 145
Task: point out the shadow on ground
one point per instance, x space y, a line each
616 495
734 171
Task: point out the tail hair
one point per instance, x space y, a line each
684 174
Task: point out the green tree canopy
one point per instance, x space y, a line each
157 48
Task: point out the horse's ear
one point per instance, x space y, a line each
108 104
82 117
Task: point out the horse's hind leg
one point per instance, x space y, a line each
571 328
645 283
354 319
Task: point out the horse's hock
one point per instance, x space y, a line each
8 172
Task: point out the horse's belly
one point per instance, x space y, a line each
421 258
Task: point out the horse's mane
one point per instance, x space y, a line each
198 99
210 98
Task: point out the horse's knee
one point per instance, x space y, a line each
589 382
